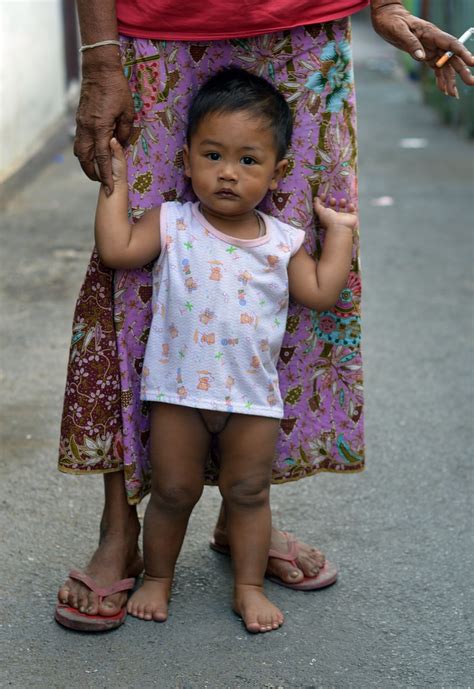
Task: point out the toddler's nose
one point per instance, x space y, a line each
228 172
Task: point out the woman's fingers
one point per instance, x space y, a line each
462 70
446 77
105 107
424 41
450 81
123 127
84 152
445 42
437 43
408 41
103 160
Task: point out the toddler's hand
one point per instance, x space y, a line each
119 164
329 216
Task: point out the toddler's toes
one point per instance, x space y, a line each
130 608
148 613
160 616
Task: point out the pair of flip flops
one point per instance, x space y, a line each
74 619
326 576
79 621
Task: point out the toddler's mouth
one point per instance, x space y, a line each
226 193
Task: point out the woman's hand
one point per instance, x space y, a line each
105 110
424 42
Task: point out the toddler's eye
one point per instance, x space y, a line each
213 156
247 160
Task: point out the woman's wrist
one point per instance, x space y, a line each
102 58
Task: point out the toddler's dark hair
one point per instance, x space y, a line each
235 90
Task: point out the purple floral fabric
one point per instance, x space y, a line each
105 426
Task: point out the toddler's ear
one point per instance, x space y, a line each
278 173
187 169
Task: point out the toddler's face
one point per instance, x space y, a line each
232 163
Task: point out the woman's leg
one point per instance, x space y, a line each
179 445
117 556
309 560
247 446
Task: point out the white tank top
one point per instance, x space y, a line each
219 314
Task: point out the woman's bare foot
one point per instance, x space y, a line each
117 557
256 611
309 560
150 602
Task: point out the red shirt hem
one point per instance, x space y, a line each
244 32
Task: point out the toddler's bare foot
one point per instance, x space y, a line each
257 612
150 602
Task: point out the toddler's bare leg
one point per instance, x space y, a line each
179 444
247 446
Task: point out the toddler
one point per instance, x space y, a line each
222 277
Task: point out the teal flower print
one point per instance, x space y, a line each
335 75
137 102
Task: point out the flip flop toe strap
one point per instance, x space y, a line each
292 553
102 591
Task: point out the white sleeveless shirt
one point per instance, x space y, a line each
219 314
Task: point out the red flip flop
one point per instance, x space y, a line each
326 576
80 621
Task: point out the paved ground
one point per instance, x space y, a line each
399 616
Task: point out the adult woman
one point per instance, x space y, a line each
313 66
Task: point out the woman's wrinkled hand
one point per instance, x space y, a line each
105 110
425 43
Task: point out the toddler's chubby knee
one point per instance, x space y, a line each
247 492
215 421
175 498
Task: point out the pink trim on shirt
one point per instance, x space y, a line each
235 241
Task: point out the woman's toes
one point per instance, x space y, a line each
92 604
63 595
285 571
111 605
82 601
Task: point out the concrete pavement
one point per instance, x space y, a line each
399 617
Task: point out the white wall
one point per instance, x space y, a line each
32 80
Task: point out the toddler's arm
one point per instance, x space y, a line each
317 285
119 243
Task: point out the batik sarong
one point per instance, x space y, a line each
105 426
